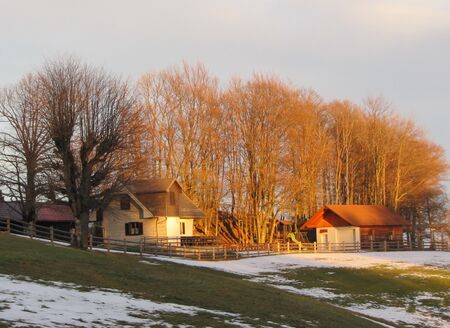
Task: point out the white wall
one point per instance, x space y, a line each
189 226
337 235
173 226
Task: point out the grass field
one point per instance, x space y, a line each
256 304
422 294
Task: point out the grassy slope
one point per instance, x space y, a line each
381 285
169 282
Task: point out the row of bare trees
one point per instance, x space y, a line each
261 149
257 149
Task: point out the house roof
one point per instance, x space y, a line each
356 215
45 212
150 185
54 213
368 215
150 194
188 208
10 210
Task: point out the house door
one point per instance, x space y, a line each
324 238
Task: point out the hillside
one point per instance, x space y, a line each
161 292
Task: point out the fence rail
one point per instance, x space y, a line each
208 248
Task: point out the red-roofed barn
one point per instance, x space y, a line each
356 224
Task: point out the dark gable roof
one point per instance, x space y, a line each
153 193
367 215
10 210
150 185
188 208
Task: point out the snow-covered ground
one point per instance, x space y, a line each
268 269
276 263
25 303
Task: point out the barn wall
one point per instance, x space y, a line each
381 233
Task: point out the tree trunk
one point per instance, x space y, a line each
84 230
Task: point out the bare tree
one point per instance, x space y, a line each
91 120
23 145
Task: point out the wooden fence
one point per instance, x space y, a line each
206 248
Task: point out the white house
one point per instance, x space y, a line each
152 208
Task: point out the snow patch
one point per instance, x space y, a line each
277 263
31 303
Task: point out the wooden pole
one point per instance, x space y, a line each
31 226
8 225
315 247
90 241
72 237
51 235
214 253
125 245
225 252
385 245
288 247
278 247
107 245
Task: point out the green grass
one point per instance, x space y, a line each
381 286
169 282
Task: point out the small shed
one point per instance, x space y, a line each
356 224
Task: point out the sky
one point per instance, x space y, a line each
399 49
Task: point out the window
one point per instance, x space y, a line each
182 228
125 202
172 198
133 228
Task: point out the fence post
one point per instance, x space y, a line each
199 254
8 225
170 250
278 247
184 250
315 247
268 248
237 252
51 235
107 245
257 249
288 247
214 253
125 245
31 227
225 252
140 248
385 245
90 241
371 245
